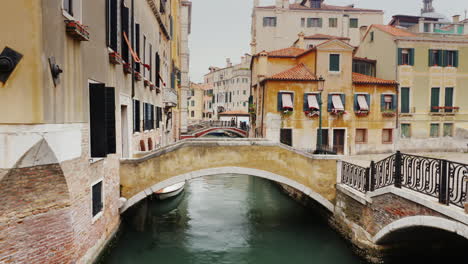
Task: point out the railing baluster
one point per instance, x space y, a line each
443 182
397 172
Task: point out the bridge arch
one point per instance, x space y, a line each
204 132
225 171
421 221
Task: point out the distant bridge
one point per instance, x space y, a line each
207 127
370 205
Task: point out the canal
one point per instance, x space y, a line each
229 219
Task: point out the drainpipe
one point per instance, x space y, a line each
263 107
397 86
132 40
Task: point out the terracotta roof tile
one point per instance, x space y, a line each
297 73
324 7
287 52
323 36
394 31
365 79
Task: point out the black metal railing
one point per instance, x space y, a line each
442 179
355 176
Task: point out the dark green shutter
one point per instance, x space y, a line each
110 120
320 22
137 45
455 61
400 56
334 62
306 103
125 18
356 103
97 110
280 102
411 57
343 100
394 102
440 54
405 100
113 24
448 99
431 61
368 100
330 103
435 93
445 58
382 102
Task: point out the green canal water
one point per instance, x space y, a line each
227 219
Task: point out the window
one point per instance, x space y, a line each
334 63
353 23
406 57
111 24
405 130
311 102
285 101
314 22
269 22
448 130
193 103
97 198
427 27
148 116
244 104
286 136
125 25
448 99
316 3
137 45
102 120
405 100
372 36
68 6
192 114
244 92
333 22
361 135
387 136
158 116
451 58
388 102
303 22
435 95
435 131
336 102
136 116
144 55
362 102
435 58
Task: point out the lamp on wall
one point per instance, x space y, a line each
9 59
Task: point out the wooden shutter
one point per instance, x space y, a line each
455 60
394 102
343 100
334 62
330 103
151 62
431 61
400 56
356 103
368 99
382 102
125 18
435 93
136 116
97 110
113 25
411 57
306 103
280 102
97 198
405 100
137 45
440 55
110 120
320 22
448 99
445 58
158 65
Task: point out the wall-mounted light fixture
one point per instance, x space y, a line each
9 59
55 70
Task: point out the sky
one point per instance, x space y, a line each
221 28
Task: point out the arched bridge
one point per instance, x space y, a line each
365 203
205 128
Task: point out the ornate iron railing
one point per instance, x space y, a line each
355 176
438 178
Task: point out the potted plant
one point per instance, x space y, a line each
312 113
389 113
76 30
127 68
337 113
115 58
146 83
147 66
362 113
286 112
138 76
152 86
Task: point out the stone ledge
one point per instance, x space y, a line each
359 197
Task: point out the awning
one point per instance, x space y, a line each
337 103
362 103
287 101
312 101
388 98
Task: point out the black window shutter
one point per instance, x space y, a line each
158 116
110 119
136 116
113 24
137 44
97 198
157 70
125 14
97 110
151 62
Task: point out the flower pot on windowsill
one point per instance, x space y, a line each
76 30
127 68
312 113
138 76
389 113
151 86
158 90
147 66
115 58
285 113
337 113
362 113
146 83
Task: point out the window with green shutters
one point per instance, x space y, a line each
435 57
448 130
450 58
406 57
333 22
435 131
448 99
405 100
314 22
353 23
435 96
388 102
334 62
405 130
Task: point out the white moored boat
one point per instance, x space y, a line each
170 191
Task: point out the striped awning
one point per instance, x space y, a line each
287 101
362 103
337 103
312 101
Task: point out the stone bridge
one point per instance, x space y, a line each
204 128
372 218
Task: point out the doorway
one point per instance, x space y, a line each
339 141
286 136
124 132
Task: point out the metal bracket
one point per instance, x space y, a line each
9 59
55 70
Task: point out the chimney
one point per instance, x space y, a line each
456 19
300 41
228 62
262 64
362 31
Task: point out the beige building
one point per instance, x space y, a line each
196 103
82 85
276 27
231 86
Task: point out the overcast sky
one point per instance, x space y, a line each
221 28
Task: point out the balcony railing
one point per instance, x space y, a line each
170 97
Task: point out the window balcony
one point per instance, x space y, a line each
170 97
